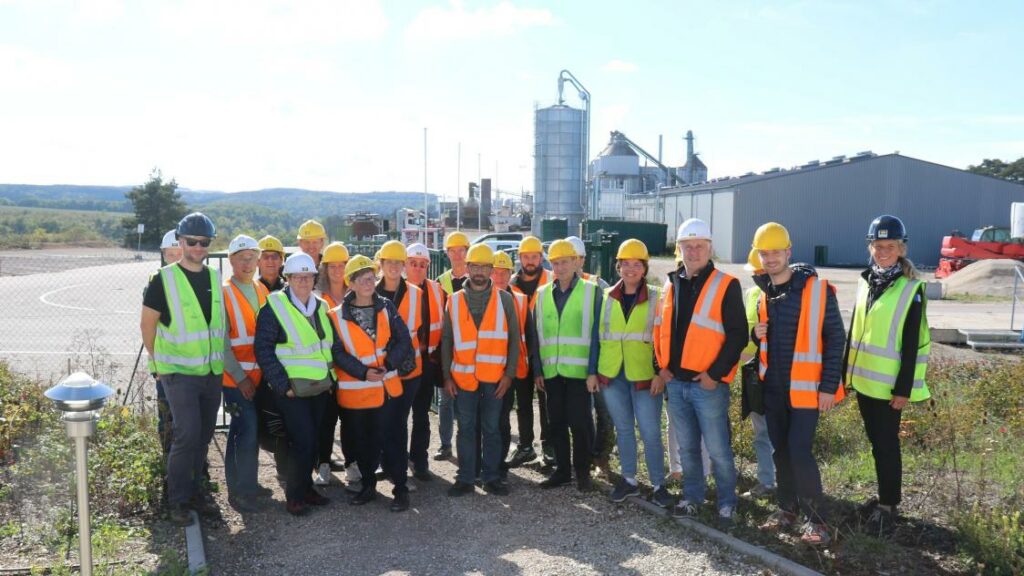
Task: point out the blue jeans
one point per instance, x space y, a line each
241 457
763 450
489 406
630 408
445 418
699 412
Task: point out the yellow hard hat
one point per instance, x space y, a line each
311 230
271 244
771 236
633 249
335 252
503 260
753 261
530 245
561 249
393 250
357 263
480 254
456 239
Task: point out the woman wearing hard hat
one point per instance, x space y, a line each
293 345
625 369
887 357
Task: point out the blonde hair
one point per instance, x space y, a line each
906 266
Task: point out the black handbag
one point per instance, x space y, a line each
752 399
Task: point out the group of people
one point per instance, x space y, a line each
323 336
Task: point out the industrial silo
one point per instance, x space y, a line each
559 166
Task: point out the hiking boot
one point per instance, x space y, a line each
461 488
725 517
496 488
881 522
779 521
522 455
684 509
815 534
623 490
443 453
180 515
759 491
556 480
661 497
400 502
323 475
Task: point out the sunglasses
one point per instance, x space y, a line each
205 242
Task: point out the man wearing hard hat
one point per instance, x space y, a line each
531 276
697 346
183 330
567 312
312 237
801 341
456 245
243 298
480 348
417 265
271 260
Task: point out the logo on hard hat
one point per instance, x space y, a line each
883 233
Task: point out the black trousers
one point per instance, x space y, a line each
302 417
797 477
379 437
419 439
325 434
882 425
570 408
513 398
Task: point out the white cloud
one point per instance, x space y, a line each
616 65
455 22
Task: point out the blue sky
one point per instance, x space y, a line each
335 94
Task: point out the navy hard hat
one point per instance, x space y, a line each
197 224
887 227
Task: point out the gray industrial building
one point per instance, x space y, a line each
828 205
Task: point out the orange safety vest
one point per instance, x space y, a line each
522 367
242 330
479 355
412 315
805 376
353 392
705 335
436 301
545 278
330 301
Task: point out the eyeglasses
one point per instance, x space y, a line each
205 242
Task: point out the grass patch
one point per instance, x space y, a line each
976 298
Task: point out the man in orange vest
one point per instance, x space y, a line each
697 347
801 339
530 276
243 298
479 355
417 265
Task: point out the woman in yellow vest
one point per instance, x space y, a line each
294 341
625 369
330 284
887 357
375 345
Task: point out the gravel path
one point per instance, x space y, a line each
531 531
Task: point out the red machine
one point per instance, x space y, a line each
987 243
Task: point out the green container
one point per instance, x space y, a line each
553 229
821 255
650 233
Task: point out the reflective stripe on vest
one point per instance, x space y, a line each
409 310
189 345
522 366
628 343
876 341
705 334
564 339
304 354
242 330
479 354
805 373
436 304
353 392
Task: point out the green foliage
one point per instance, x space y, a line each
994 538
33 227
126 467
158 205
1013 171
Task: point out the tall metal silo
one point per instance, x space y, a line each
559 166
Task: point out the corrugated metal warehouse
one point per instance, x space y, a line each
827 206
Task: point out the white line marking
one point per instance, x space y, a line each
44 297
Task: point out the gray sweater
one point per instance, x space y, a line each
477 301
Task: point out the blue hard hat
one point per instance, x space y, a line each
197 224
887 227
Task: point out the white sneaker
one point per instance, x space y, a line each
323 475
352 474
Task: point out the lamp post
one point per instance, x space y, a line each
78 397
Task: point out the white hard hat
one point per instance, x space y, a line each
170 240
417 250
299 263
243 242
693 229
577 245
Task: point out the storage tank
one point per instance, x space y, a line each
1017 220
558 165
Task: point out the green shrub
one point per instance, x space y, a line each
994 538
